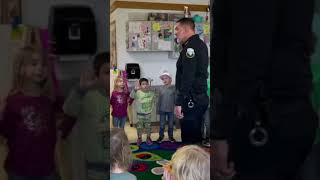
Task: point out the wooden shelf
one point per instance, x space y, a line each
156 6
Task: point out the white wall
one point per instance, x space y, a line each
151 63
36 12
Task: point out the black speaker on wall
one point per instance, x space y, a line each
133 70
73 28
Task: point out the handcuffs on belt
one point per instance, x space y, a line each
259 136
189 100
190 103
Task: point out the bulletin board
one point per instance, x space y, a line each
139 36
162 35
203 30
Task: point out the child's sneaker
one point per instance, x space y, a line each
160 139
172 139
149 141
139 141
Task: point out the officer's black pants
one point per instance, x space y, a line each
191 124
291 135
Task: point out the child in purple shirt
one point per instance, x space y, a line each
119 102
28 121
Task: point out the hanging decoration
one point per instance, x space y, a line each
187 13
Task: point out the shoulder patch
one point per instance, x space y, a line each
190 53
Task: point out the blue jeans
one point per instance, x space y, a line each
12 176
163 116
119 122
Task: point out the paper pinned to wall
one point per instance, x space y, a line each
17 33
206 29
162 35
139 37
156 26
164 44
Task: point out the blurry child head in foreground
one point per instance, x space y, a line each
189 162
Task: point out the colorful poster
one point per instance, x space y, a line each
139 36
162 35
176 48
203 30
157 17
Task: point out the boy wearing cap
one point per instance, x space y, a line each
166 106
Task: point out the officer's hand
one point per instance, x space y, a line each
223 169
178 112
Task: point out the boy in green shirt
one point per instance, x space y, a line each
89 104
144 100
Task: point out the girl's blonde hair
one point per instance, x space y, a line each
120 151
22 58
190 163
117 79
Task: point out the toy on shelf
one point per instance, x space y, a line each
187 13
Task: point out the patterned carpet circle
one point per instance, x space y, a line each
134 148
146 156
149 147
139 167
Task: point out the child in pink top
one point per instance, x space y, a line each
119 102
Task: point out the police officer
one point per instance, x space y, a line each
264 124
191 81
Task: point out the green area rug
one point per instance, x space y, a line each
145 158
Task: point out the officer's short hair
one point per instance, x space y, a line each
143 80
187 21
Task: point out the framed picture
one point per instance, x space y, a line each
113 45
175 17
10 11
157 17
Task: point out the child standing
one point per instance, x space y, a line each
166 106
119 101
120 155
89 104
28 120
144 101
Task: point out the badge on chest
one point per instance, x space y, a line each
190 53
